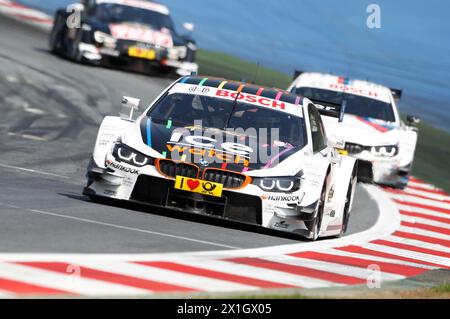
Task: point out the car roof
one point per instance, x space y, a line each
144 4
244 87
341 83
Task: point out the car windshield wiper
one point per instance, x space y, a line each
326 102
232 111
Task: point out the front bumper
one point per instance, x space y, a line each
94 54
247 205
383 173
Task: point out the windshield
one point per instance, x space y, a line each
356 105
116 13
184 109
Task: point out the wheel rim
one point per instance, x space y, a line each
348 204
318 221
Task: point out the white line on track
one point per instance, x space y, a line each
259 273
429 195
409 254
168 276
66 282
424 211
28 136
145 231
418 243
387 223
423 201
29 170
335 268
425 221
5 294
374 259
424 186
424 232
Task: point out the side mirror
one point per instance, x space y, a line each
335 142
189 26
76 7
129 104
412 120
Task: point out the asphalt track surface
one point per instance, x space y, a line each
50 110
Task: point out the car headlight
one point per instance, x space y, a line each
385 150
130 156
278 184
192 46
104 38
176 53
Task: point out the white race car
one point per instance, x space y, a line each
228 150
369 124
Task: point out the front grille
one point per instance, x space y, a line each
243 207
160 192
228 179
151 190
353 148
365 171
234 206
172 169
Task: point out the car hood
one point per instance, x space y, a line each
141 33
241 152
361 130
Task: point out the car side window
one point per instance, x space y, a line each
317 129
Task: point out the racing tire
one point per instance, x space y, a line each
74 53
54 41
348 202
314 225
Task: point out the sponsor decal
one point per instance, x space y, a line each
204 163
109 192
375 124
282 224
353 90
208 155
211 143
281 198
249 98
199 89
138 33
208 149
120 167
198 186
330 194
231 95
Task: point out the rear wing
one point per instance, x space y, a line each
396 93
297 73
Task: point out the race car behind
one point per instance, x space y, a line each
369 123
129 33
228 150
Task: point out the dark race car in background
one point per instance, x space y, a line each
127 33
228 150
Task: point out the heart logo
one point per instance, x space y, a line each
192 184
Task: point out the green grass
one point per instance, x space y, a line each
444 288
432 156
232 68
433 147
